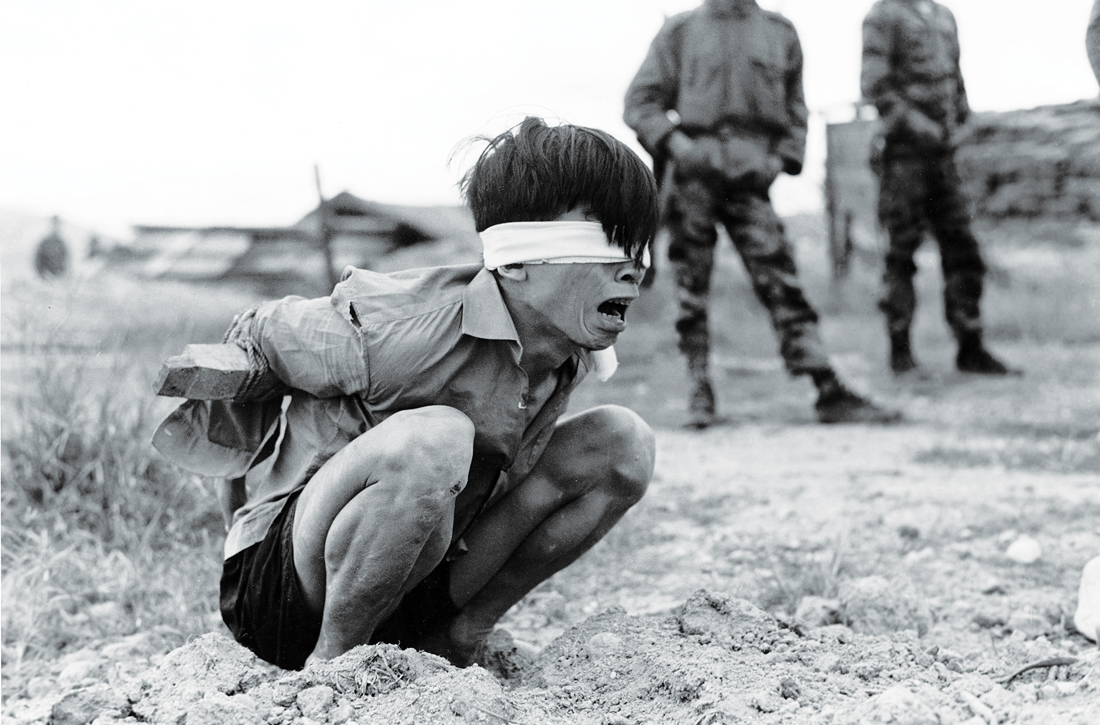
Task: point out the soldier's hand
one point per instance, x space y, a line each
694 158
770 169
924 128
679 145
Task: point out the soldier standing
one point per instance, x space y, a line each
911 74
51 257
1092 39
718 104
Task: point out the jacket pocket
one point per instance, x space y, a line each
769 91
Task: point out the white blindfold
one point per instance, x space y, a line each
550 243
557 243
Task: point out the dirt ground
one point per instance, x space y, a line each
777 571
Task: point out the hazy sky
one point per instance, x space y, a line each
117 112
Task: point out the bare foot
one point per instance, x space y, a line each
460 641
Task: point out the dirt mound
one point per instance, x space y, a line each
718 659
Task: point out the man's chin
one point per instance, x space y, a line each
602 344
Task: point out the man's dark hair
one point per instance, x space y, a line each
536 172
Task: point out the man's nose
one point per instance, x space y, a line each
630 273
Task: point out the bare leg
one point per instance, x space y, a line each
376 518
597 465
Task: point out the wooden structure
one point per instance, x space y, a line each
851 193
344 230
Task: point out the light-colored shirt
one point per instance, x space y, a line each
380 344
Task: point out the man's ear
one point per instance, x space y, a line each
514 272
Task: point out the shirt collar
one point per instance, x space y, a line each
484 313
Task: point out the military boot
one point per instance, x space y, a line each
837 404
701 400
973 357
901 353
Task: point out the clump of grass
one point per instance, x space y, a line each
101 537
77 458
795 575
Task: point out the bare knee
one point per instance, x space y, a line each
618 440
418 462
430 448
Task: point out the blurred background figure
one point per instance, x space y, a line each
1092 39
51 256
718 103
911 74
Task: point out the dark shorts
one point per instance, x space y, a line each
263 605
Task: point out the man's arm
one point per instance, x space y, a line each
962 105
792 146
310 346
291 343
1092 40
653 92
875 81
878 81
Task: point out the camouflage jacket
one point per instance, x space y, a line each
911 72
715 69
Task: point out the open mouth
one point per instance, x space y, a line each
615 308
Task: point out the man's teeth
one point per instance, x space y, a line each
615 307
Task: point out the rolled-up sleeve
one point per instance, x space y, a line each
310 346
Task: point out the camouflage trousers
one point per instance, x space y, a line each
694 209
919 193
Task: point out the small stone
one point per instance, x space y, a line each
1024 550
818 611
603 644
1049 692
82 706
40 687
1030 624
988 620
789 689
993 586
78 670
827 662
908 532
899 706
342 713
1087 617
217 708
920 555
314 702
765 700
